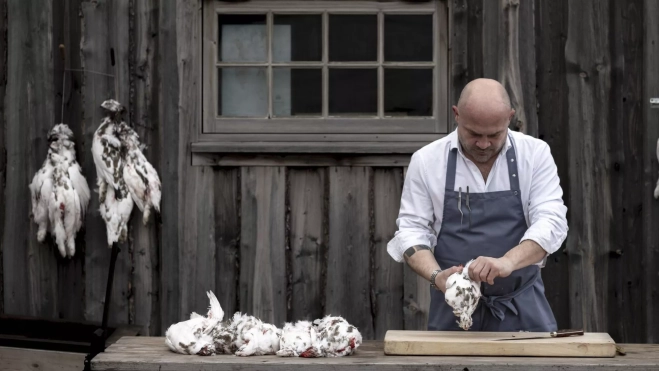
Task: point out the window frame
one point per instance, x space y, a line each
358 130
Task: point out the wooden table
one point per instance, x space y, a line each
151 353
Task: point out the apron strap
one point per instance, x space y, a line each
450 169
511 158
498 304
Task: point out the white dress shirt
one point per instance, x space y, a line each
422 202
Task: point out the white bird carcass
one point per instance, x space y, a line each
59 192
462 294
297 340
194 336
253 337
125 177
335 337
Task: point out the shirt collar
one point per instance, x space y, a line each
455 143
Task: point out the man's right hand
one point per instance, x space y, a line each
440 279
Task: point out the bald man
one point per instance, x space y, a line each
489 194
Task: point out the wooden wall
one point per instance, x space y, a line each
289 242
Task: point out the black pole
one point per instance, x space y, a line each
101 334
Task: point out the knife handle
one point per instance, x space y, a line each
564 333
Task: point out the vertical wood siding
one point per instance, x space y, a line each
287 243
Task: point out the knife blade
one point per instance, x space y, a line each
554 334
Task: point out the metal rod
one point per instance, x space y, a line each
108 290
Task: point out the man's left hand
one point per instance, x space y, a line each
485 269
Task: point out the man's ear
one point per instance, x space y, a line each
512 114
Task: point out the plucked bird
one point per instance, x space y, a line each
124 176
462 294
59 192
297 340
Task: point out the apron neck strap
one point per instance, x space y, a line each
511 159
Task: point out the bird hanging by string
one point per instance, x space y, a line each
124 176
59 192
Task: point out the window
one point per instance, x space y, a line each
341 68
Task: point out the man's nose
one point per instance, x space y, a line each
483 144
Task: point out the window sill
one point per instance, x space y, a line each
304 153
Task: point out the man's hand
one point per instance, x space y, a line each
485 269
440 280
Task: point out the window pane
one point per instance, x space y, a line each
408 92
353 91
408 38
242 38
297 38
353 38
297 92
243 92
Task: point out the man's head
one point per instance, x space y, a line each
483 114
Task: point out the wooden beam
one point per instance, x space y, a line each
3 135
588 67
308 147
550 28
30 268
651 168
227 237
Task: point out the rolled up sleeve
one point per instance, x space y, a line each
547 212
415 217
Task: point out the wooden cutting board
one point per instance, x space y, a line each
473 343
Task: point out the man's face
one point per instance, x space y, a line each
482 138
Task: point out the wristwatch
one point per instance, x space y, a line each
432 278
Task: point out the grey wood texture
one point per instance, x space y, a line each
3 134
150 353
307 240
349 257
227 236
550 28
588 64
387 273
262 243
218 159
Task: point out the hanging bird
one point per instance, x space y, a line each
59 192
194 336
109 153
462 294
140 177
336 337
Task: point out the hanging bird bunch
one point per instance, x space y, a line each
124 176
244 335
462 294
59 192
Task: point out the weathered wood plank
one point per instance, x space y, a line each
526 51
475 38
459 49
349 269
197 265
97 42
626 280
491 41
388 275
145 80
173 157
20 359
588 69
308 243
148 353
227 237
30 268
3 145
509 64
219 159
262 243
66 31
550 29
651 168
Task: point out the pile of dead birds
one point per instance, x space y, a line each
245 335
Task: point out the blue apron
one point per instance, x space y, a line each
513 303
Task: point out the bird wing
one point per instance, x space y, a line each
81 187
106 151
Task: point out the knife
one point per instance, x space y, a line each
554 334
